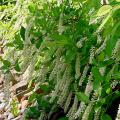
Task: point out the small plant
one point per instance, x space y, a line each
14 107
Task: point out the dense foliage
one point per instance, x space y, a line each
68 50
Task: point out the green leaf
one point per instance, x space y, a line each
103 23
45 87
43 103
61 39
113 39
14 107
16 66
105 63
118 0
18 42
104 10
82 97
22 32
116 76
32 8
70 55
97 78
99 104
91 115
31 82
32 97
32 113
108 90
9 44
101 56
6 63
106 117
39 42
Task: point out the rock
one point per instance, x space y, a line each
1 79
6 114
11 99
20 89
1 86
19 106
22 85
2 117
23 98
17 118
1 90
3 101
10 116
7 107
1 96
22 111
24 104
2 106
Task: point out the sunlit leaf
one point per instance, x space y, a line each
104 22
82 97
97 78
106 117
118 0
104 10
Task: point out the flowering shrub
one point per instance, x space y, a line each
68 49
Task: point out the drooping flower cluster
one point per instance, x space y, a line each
82 105
118 113
92 53
6 84
102 70
42 74
65 86
86 68
67 103
99 39
77 67
88 111
43 116
59 84
101 48
73 109
81 42
97 114
116 50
